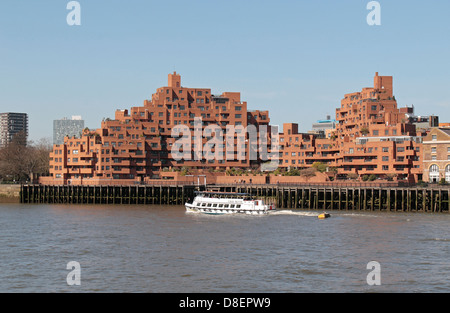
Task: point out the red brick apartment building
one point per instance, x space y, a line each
372 136
137 144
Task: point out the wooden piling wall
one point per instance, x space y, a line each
164 195
284 197
388 199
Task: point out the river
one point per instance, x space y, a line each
161 249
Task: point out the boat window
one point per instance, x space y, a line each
231 205
209 205
215 205
220 205
203 204
238 206
225 206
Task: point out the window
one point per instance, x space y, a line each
433 149
434 137
375 132
447 173
385 159
385 149
434 173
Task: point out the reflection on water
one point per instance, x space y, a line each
164 249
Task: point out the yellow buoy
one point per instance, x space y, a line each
323 216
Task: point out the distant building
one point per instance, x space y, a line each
436 155
421 122
324 125
12 124
66 127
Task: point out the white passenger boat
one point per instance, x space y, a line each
227 203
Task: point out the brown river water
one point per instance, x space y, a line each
162 249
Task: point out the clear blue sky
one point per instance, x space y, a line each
295 58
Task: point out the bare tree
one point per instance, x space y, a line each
19 162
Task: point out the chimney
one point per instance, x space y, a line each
174 80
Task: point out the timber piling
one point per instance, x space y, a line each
382 199
164 194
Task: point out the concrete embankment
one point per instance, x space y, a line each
9 193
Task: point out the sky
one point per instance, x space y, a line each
295 58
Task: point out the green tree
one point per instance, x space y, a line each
364 131
319 166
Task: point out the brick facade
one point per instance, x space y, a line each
436 155
372 136
137 144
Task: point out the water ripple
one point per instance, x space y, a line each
163 249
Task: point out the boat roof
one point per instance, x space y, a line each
223 193
218 193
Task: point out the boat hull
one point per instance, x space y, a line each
192 209
222 203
